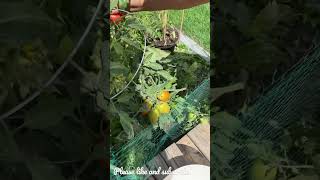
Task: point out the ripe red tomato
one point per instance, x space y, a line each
116 18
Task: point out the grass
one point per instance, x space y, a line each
196 23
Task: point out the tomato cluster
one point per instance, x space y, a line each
161 107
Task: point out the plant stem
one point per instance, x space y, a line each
164 24
182 20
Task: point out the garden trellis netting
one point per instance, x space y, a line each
148 143
295 94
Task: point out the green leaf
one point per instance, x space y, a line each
243 15
225 142
35 23
131 43
89 82
76 141
117 68
113 4
118 48
125 98
48 112
101 101
154 66
65 47
226 121
227 6
155 54
260 55
96 55
167 75
267 18
126 123
42 169
21 11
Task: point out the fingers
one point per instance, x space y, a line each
115 11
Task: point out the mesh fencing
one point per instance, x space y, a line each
147 144
286 101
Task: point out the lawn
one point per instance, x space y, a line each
196 23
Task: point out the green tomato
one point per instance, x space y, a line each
205 120
192 116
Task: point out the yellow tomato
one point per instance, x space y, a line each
164 96
163 107
154 116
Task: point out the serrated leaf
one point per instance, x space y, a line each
41 169
155 54
167 75
49 111
154 66
117 68
130 42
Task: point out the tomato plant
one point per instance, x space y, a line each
155 90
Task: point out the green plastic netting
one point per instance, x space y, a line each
279 108
292 96
148 143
